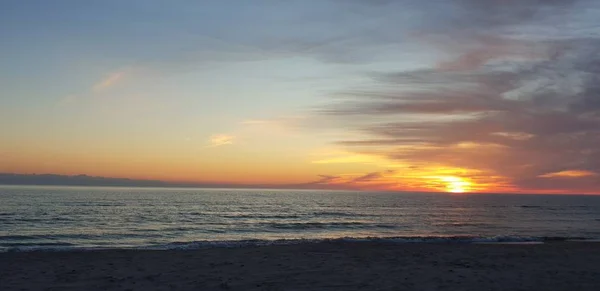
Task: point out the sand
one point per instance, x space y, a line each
323 266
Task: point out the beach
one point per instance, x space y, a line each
312 266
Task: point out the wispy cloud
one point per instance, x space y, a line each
383 180
569 174
501 104
220 140
110 80
373 176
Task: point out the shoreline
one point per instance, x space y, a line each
312 266
8 247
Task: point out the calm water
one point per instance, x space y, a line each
82 217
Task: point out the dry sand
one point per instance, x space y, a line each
322 266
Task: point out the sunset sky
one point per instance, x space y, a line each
407 95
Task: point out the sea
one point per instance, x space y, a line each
40 218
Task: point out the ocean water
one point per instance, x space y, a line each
62 218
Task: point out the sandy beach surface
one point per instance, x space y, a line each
319 266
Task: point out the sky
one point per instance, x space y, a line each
403 95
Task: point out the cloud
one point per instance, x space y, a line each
486 49
512 110
504 91
373 176
368 177
109 81
370 181
221 140
471 32
569 174
326 179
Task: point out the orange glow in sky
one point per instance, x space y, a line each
456 184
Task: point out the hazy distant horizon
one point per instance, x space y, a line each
48 179
83 180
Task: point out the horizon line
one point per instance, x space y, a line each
96 182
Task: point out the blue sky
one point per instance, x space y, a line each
238 58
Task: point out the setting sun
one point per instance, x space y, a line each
456 184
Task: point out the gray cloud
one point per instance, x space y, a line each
509 106
373 176
494 13
368 177
325 179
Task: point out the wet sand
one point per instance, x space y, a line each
323 266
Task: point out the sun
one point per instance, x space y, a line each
456 184
455 188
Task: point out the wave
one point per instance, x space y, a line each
68 236
459 224
259 216
327 225
194 245
37 244
281 216
563 207
335 213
